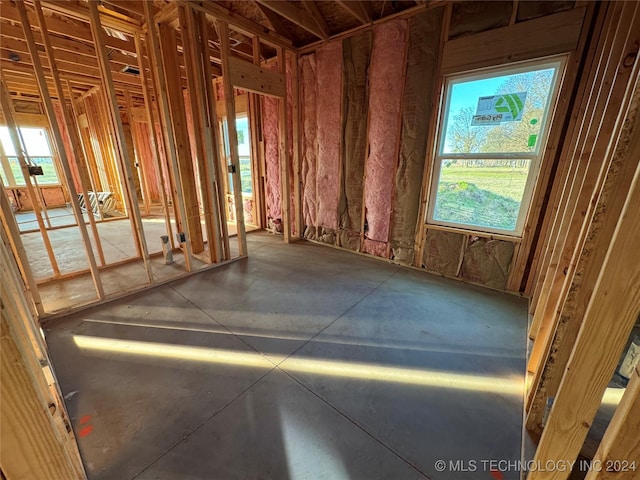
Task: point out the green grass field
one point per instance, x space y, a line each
48 169
482 196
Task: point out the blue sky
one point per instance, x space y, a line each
467 94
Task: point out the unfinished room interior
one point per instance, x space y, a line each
328 239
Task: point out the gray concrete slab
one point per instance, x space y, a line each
426 358
279 430
301 362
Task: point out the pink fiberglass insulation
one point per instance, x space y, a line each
270 134
385 99
68 148
309 136
328 108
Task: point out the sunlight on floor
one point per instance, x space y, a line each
364 371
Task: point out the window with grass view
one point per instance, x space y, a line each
492 136
37 145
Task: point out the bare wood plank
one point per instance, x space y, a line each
223 34
242 24
297 149
425 191
79 12
316 15
30 449
609 318
540 204
204 146
75 30
185 173
57 135
620 445
550 35
256 79
89 172
212 122
160 89
13 39
285 158
116 122
273 19
19 252
7 109
142 177
255 127
149 117
593 155
297 15
75 140
567 322
357 9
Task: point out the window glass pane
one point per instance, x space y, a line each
498 114
244 152
35 140
15 169
48 169
6 142
482 193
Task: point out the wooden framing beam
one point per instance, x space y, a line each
74 30
425 191
545 36
74 138
6 106
297 15
212 119
142 177
43 447
256 79
78 11
13 32
155 151
160 89
126 174
298 219
242 24
316 15
15 241
181 137
273 19
619 446
610 316
202 125
255 129
609 83
358 9
285 158
67 179
234 167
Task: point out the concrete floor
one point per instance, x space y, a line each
117 243
301 362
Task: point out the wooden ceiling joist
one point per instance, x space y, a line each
242 24
79 11
273 19
360 10
19 47
75 29
11 32
316 15
299 16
